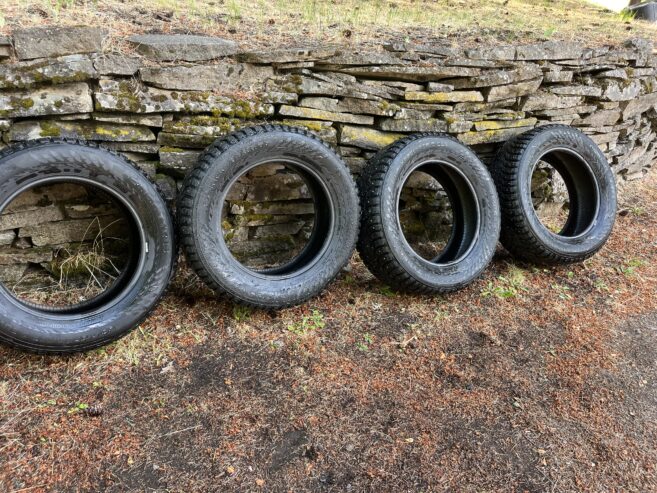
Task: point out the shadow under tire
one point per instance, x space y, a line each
591 189
151 264
332 240
476 214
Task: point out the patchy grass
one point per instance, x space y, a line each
261 22
552 389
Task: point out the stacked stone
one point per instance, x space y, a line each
163 105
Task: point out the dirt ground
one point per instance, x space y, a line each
528 380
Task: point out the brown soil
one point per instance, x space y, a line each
531 379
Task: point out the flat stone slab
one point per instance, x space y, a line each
88 130
445 97
43 42
225 77
366 138
172 47
54 100
70 68
398 125
125 96
500 93
550 50
351 105
116 64
412 73
288 55
314 114
490 136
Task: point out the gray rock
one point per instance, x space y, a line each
366 138
5 51
324 130
274 208
12 256
87 130
413 114
576 90
492 53
288 55
459 126
50 41
167 187
30 217
149 120
544 101
177 162
182 47
499 77
619 73
55 100
550 50
116 64
639 105
12 273
276 230
314 114
412 73
484 125
351 105
125 96
500 93
71 68
133 147
71 230
444 97
4 125
226 77
436 87
282 186
558 76
489 136
7 237
430 125
357 58
573 110
425 106
599 118
620 91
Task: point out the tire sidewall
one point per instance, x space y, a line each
52 331
441 149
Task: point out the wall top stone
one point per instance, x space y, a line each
42 42
170 47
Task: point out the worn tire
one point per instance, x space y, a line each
471 191
336 222
591 186
114 313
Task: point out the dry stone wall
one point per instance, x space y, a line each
166 102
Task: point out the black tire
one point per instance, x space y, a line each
476 222
331 243
131 298
591 188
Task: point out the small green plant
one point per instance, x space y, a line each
241 313
563 291
308 323
549 32
627 15
600 285
629 268
507 286
80 406
365 344
387 292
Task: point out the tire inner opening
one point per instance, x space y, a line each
276 218
564 193
438 213
67 247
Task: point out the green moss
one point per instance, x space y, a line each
49 129
171 149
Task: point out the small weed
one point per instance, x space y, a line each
629 269
563 291
387 292
627 15
241 313
80 406
600 285
308 323
366 343
508 286
549 32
